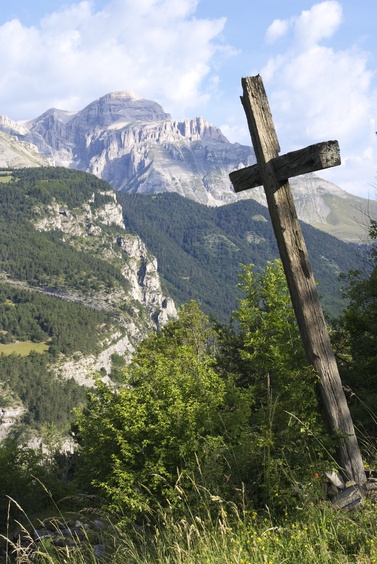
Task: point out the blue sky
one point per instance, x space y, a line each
318 60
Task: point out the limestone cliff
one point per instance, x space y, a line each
134 145
88 228
137 147
16 153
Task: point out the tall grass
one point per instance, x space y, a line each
297 525
312 532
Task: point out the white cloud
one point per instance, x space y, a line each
277 29
321 21
235 132
318 93
154 47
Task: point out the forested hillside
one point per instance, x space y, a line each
53 262
200 249
65 289
64 292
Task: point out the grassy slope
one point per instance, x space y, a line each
349 218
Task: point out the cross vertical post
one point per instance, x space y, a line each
271 170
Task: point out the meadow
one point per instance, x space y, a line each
23 348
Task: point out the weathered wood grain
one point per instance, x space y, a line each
315 157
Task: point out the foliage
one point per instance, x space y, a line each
43 258
68 186
356 342
212 444
45 397
175 417
219 408
207 451
265 353
30 479
200 248
68 327
46 316
312 533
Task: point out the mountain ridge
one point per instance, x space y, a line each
201 249
135 146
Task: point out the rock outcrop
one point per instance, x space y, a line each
9 416
16 153
150 307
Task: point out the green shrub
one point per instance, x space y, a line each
173 420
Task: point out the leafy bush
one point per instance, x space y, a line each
174 419
27 477
355 339
264 351
216 408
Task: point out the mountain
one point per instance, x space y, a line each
17 153
200 249
138 148
86 273
77 291
333 210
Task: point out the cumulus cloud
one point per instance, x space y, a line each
277 29
154 47
319 93
321 21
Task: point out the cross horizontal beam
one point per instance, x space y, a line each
315 157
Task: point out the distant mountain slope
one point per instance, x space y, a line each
329 208
75 287
137 147
200 249
16 153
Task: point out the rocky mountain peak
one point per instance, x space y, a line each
50 117
137 147
122 107
7 125
200 128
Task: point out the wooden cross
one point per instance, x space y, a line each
273 172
